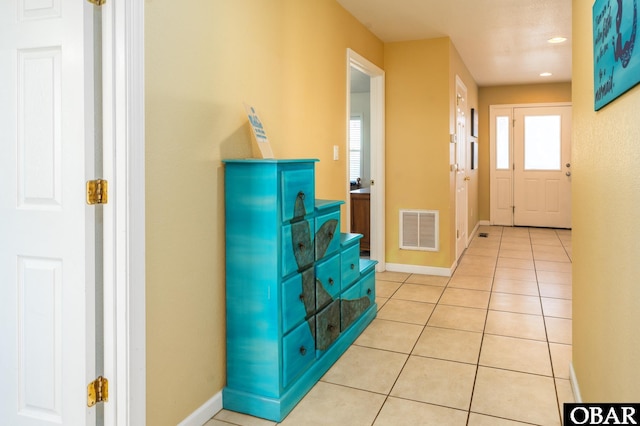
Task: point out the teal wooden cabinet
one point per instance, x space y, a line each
297 294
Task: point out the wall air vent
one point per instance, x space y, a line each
419 230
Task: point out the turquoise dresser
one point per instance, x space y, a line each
297 292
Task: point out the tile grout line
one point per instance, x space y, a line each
475 378
546 333
387 394
412 348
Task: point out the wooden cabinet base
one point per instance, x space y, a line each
361 215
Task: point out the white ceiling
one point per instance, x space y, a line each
501 41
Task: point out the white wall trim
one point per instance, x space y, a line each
419 269
205 412
473 233
574 384
484 223
124 230
461 148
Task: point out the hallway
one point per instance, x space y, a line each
489 346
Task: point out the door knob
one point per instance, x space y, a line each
568 173
467 178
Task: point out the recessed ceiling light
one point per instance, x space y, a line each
555 40
545 74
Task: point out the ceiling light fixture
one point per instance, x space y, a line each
556 40
545 74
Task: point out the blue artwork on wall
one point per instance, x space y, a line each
616 56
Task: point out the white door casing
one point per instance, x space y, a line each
461 180
377 143
47 264
124 215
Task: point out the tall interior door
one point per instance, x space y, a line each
47 248
542 172
461 168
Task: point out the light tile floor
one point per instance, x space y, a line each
489 346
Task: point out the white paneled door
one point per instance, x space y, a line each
542 167
461 168
47 241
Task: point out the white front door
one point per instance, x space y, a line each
461 168
47 232
542 167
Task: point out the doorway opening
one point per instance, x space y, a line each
365 145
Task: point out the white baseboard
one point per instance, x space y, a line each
484 223
205 412
473 233
417 269
573 379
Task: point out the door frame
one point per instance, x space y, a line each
492 154
377 148
462 145
124 215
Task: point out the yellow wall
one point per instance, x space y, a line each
504 95
203 60
420 115
606 231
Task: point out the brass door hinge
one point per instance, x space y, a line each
97 2
97 191
97 391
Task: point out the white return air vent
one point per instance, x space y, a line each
419 230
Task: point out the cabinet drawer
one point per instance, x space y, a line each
298 299
327 238
357 299
327 281
350 262
297 246
298 351
328 325
298 194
